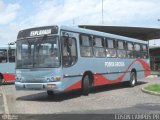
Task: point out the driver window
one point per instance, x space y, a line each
69 51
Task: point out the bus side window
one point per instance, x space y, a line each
3 56
121 52
86 46
111 48
98 47
11 54
144 51
137 52
130 50
69 51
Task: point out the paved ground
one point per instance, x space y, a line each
103 100
1 104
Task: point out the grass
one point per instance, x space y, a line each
153 87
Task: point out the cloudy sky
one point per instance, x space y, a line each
16 15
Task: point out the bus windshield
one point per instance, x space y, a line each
41 52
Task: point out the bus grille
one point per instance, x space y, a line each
35 80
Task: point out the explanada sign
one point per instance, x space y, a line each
40 32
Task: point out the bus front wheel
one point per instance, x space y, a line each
133 79
86 85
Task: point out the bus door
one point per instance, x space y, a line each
69 58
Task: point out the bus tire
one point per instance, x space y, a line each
133 79
86 84
50 93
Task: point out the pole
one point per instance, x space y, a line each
102 12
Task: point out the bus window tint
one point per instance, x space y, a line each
130 50
144 51
137 53
85 46
144 47
111 48
99 49
121 52
11 54
69 55
3 56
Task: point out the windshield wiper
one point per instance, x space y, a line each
28 41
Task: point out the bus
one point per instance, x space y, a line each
63 58
7 63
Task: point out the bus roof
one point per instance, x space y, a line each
98 33
46 30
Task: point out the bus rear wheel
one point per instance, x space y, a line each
133 79
86 85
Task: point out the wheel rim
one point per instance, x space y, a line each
133 80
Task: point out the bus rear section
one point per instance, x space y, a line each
7 64
61 58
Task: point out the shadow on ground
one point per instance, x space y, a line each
43 97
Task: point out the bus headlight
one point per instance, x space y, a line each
57 78
19 79
52 79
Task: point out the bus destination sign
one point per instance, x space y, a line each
40 32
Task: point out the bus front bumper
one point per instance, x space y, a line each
52 86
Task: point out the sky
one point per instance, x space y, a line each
16 15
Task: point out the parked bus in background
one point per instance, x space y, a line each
7 63
63 58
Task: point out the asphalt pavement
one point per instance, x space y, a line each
1 104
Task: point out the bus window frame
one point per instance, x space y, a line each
127 50
137 51
103 46
61 48
91 43
114 47
146 51
124 48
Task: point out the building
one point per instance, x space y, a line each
155 58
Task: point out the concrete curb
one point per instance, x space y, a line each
150 92
152 76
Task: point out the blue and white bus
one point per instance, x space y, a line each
63 58
7 63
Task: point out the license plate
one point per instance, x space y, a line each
34 86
